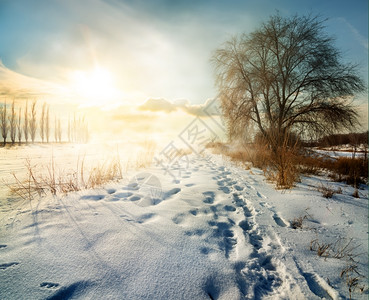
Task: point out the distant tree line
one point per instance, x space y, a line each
341 139
25 129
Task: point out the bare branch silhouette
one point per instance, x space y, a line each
4 122
287 76
32 122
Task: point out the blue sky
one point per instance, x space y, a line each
152 49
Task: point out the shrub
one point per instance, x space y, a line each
328 191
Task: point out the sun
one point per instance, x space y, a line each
95 87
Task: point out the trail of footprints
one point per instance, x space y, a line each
259 261
229 233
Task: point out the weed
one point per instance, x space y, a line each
328 191
356 193
342 248
322 249
56 181
296 223
353 278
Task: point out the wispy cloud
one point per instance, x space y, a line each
167 106
19 86
363 41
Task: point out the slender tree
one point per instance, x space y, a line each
13 123
19 127
26 123
42 122
56 130
69 130
47 124
59 131
286 77
32 122
74 129
4 122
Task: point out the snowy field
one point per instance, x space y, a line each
340 153
216 231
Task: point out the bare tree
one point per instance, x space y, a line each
4 122
32 122
56 130
69 130
13 123
59 131
25 123
47 124
42 122
286 77
19 127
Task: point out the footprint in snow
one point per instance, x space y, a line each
124 195
278 220
132 187
247 212
134 198
171 193
237 200
8 265
229 208
238 188
196 232
110 191
49 285
178 219
189 184
145 217
93 197
225 189
193 212
206 250
264 204
245 225
209 197
260 195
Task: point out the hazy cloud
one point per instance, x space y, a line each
184 105
16 85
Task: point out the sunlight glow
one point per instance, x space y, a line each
95 87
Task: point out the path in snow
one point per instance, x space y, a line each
210 234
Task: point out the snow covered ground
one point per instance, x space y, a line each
216 231
336 153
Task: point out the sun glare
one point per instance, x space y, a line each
95 87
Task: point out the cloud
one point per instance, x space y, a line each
158 105
19 86
209 108
363 41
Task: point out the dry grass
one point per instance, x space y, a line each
57 180
279 168
352 278
145 156
297 223
328 191
356 193
353 171
342 248
284 167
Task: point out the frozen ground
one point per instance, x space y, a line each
215 232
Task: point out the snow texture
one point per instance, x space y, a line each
216 232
